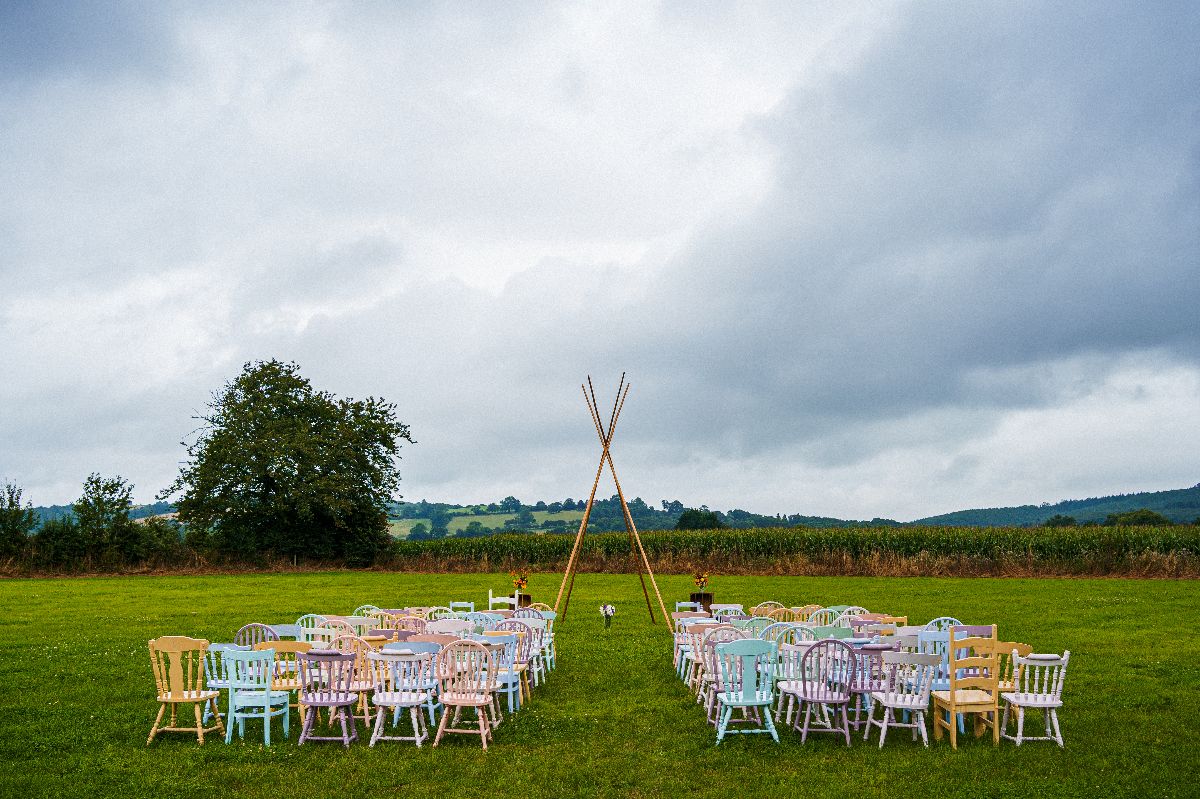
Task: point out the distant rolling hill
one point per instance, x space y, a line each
1180 505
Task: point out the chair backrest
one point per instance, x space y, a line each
908 677
884 618
906 643
481 621
439 612
782 614
505 655
254 633
412 623
414 647
456 627
686 606
325 676
364 610
696 633
214 664
805 611
823 617
765 608
529 637
828 667
307 623
722 612
353 645
462 607
753 626
542 606
844 618
972 631
868 670
746 669
832 631
505 601
406 675
465 671
1006 651
714 638
178 663
941 623
249 670
974 663
1040 676
527 613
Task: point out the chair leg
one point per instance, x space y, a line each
483 726
1057 732
846 723
920 721
442 726
267 723
883 728
157 720
766 716
1020 724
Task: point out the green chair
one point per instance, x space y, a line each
832 632
746 681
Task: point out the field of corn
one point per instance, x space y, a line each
900 551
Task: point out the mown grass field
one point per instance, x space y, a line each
459 521
77 695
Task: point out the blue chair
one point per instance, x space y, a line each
215 674
508 679
250 694
462 607
746 680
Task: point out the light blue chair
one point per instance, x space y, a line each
462 607
215 674
508 679
746 680
250 694
482 621
752 626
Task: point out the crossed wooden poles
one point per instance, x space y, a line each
635 540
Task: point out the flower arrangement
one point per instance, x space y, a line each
519 580
607 611
701 580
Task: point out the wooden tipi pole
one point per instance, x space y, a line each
635 540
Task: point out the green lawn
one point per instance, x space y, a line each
77 695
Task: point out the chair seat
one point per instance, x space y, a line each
467 699
399 698
255 698
811 691
188 696
737 700
905 702
966 697
1031 700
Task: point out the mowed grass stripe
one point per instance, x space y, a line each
77 695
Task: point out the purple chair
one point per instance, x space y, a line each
869 676
326 678
827 671
254 633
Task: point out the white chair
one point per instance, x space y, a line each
1038 684
494 602
459 627
400 681
908 680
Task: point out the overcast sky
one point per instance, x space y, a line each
857 260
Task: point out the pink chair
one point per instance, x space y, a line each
326 680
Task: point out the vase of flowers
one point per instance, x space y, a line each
700 596
608 611
519 581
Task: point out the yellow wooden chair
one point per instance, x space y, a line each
1007 669
974 670
783 614
178 663
802 613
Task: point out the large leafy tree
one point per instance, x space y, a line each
102 513
278 468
